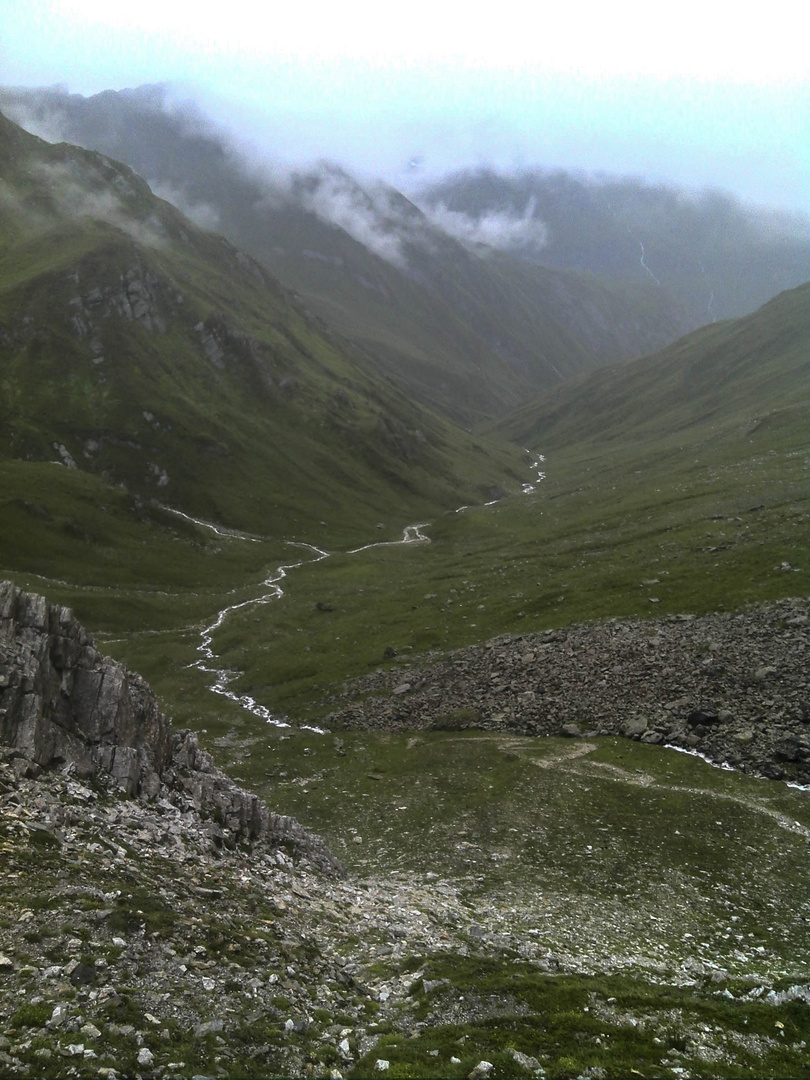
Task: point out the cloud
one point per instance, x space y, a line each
503 230
70 188
370 216
202 214
48 123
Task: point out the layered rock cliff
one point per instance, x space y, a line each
62 703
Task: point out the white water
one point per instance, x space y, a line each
230 534
696 753
222 676
649 271
724 765
537 464
412 534
271 590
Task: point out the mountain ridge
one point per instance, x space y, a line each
720 258
734 372
455 330
133 340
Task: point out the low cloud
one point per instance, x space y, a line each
48 123
503 230
370 216
202 214
71 192
14 207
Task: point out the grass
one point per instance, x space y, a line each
581 855
711 527
572 1024
225 397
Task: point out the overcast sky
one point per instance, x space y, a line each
697 93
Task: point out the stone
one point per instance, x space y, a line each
606 669
524 1061
481 1071
72 705
763 674
381 1065
635 728
83 975
792 748
145 1056
211 1027
58 1017
703 716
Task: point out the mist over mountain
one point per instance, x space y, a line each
158 356
707 254
427 304
719 257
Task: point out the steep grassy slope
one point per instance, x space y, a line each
455 328
741 374
157 356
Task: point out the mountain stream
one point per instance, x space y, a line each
270 590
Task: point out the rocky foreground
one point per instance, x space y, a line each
63 703
735 688
130 944
130 947
158 921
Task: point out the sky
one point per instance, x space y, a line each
696 94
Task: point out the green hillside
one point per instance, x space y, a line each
673 484
217 482
729 377
173 370
457 329
157 356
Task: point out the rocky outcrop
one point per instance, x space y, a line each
137 295
62 703
735 687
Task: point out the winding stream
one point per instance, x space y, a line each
271 590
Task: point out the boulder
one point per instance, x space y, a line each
702 717
63 703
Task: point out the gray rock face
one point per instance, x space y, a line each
63 703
